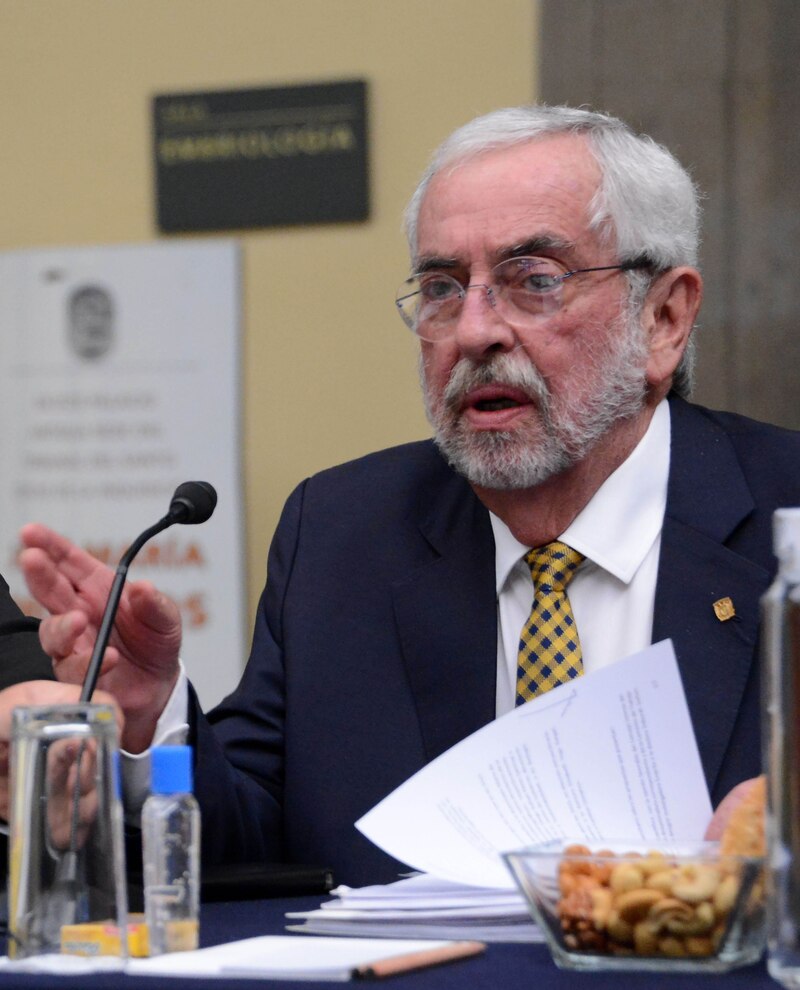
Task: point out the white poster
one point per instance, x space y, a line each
119 370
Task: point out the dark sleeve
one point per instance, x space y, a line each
21 656
239 747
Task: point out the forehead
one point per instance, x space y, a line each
509 196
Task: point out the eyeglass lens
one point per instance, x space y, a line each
522 289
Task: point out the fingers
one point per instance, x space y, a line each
47 585
71 764
46 693
71 790
76 563
73 586
60 575
68 641
32 693
72 669
726 807
59 634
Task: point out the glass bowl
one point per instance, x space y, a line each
628 906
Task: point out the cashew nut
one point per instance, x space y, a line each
634 905
671 946
618 929
663 881
645 938
625 876
696 882
725 895
698 946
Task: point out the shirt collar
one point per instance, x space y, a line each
621 521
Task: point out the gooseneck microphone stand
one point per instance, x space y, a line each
193 502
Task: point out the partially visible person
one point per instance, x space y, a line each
21 655
554 293
25 670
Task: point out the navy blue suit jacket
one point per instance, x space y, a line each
375 641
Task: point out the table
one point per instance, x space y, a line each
501 967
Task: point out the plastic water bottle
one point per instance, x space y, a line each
171 853
781 695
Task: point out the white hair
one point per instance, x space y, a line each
646 206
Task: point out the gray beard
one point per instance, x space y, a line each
612 388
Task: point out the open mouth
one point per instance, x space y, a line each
494 405
495 398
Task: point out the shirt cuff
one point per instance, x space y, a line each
171 730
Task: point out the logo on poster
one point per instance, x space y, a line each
90 321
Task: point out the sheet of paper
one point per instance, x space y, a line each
611 755
285 957
266 957
500 930
420 892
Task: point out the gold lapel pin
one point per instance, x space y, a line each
724 610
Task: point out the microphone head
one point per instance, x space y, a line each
193 502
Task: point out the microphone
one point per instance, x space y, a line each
192 503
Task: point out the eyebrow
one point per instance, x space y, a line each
545 243
541 244
434 264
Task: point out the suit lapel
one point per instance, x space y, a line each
708 498
446 609
447 623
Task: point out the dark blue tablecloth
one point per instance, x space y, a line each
502 967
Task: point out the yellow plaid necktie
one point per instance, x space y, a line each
549 648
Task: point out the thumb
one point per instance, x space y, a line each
153 609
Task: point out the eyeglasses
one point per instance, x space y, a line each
520 289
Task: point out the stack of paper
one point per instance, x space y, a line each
611 756
422 906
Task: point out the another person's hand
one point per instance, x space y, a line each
140 665
72 799
744 792
39 693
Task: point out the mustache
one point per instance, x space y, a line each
501 369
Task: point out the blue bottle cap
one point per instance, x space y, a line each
171 770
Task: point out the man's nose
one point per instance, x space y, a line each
480 328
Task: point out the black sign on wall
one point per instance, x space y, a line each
261 157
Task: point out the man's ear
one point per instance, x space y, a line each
668 316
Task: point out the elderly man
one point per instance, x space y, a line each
554 294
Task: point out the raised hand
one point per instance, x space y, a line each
140 666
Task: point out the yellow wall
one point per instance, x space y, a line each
328 371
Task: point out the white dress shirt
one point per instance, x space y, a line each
171 730
612 592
